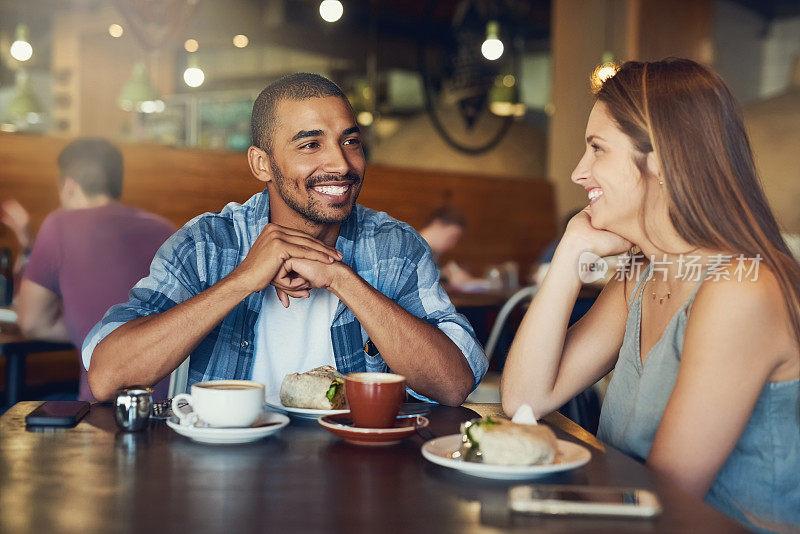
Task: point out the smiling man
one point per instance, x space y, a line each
296 277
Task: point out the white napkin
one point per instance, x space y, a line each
524 415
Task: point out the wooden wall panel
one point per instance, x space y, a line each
507 219
679 28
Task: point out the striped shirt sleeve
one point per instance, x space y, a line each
421 294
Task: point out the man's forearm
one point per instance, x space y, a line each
147 349
39 313
55 331
48 324
432 364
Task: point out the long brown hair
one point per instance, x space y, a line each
686 114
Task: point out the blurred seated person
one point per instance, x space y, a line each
442 233
88 254
17 219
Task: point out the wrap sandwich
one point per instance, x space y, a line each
501 442
321 388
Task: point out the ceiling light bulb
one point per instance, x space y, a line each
191 45
21 50
115 30
148 106
365 118
492 49
194 76
331 10
240 41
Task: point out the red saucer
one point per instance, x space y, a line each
342 425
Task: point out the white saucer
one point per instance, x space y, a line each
274 401
440 451
204 434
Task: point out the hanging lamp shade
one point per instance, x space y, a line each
137 89
25 107
21 48
493 30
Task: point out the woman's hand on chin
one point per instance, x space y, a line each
582 234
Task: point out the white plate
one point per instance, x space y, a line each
440 451
274 401
231 435
7 315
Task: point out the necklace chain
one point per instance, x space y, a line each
660 299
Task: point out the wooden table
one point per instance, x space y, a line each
95 479
16 347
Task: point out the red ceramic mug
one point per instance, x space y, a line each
374 398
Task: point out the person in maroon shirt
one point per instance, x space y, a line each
88 254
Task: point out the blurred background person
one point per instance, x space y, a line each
88 254
443 231
17 219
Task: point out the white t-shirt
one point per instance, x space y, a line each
294 339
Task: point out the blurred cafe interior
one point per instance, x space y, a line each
471 109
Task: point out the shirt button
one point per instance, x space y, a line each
245 344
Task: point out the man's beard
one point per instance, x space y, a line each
312 211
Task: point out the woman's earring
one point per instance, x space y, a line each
661 182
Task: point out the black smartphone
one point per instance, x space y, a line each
57 413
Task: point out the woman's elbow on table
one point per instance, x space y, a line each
511 404
513 396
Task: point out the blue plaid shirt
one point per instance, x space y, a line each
386 253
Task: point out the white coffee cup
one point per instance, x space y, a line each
222 403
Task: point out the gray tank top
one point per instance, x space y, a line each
759 484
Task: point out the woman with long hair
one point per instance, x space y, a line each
702 325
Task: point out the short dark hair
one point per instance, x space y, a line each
95 164
298 86
447 216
